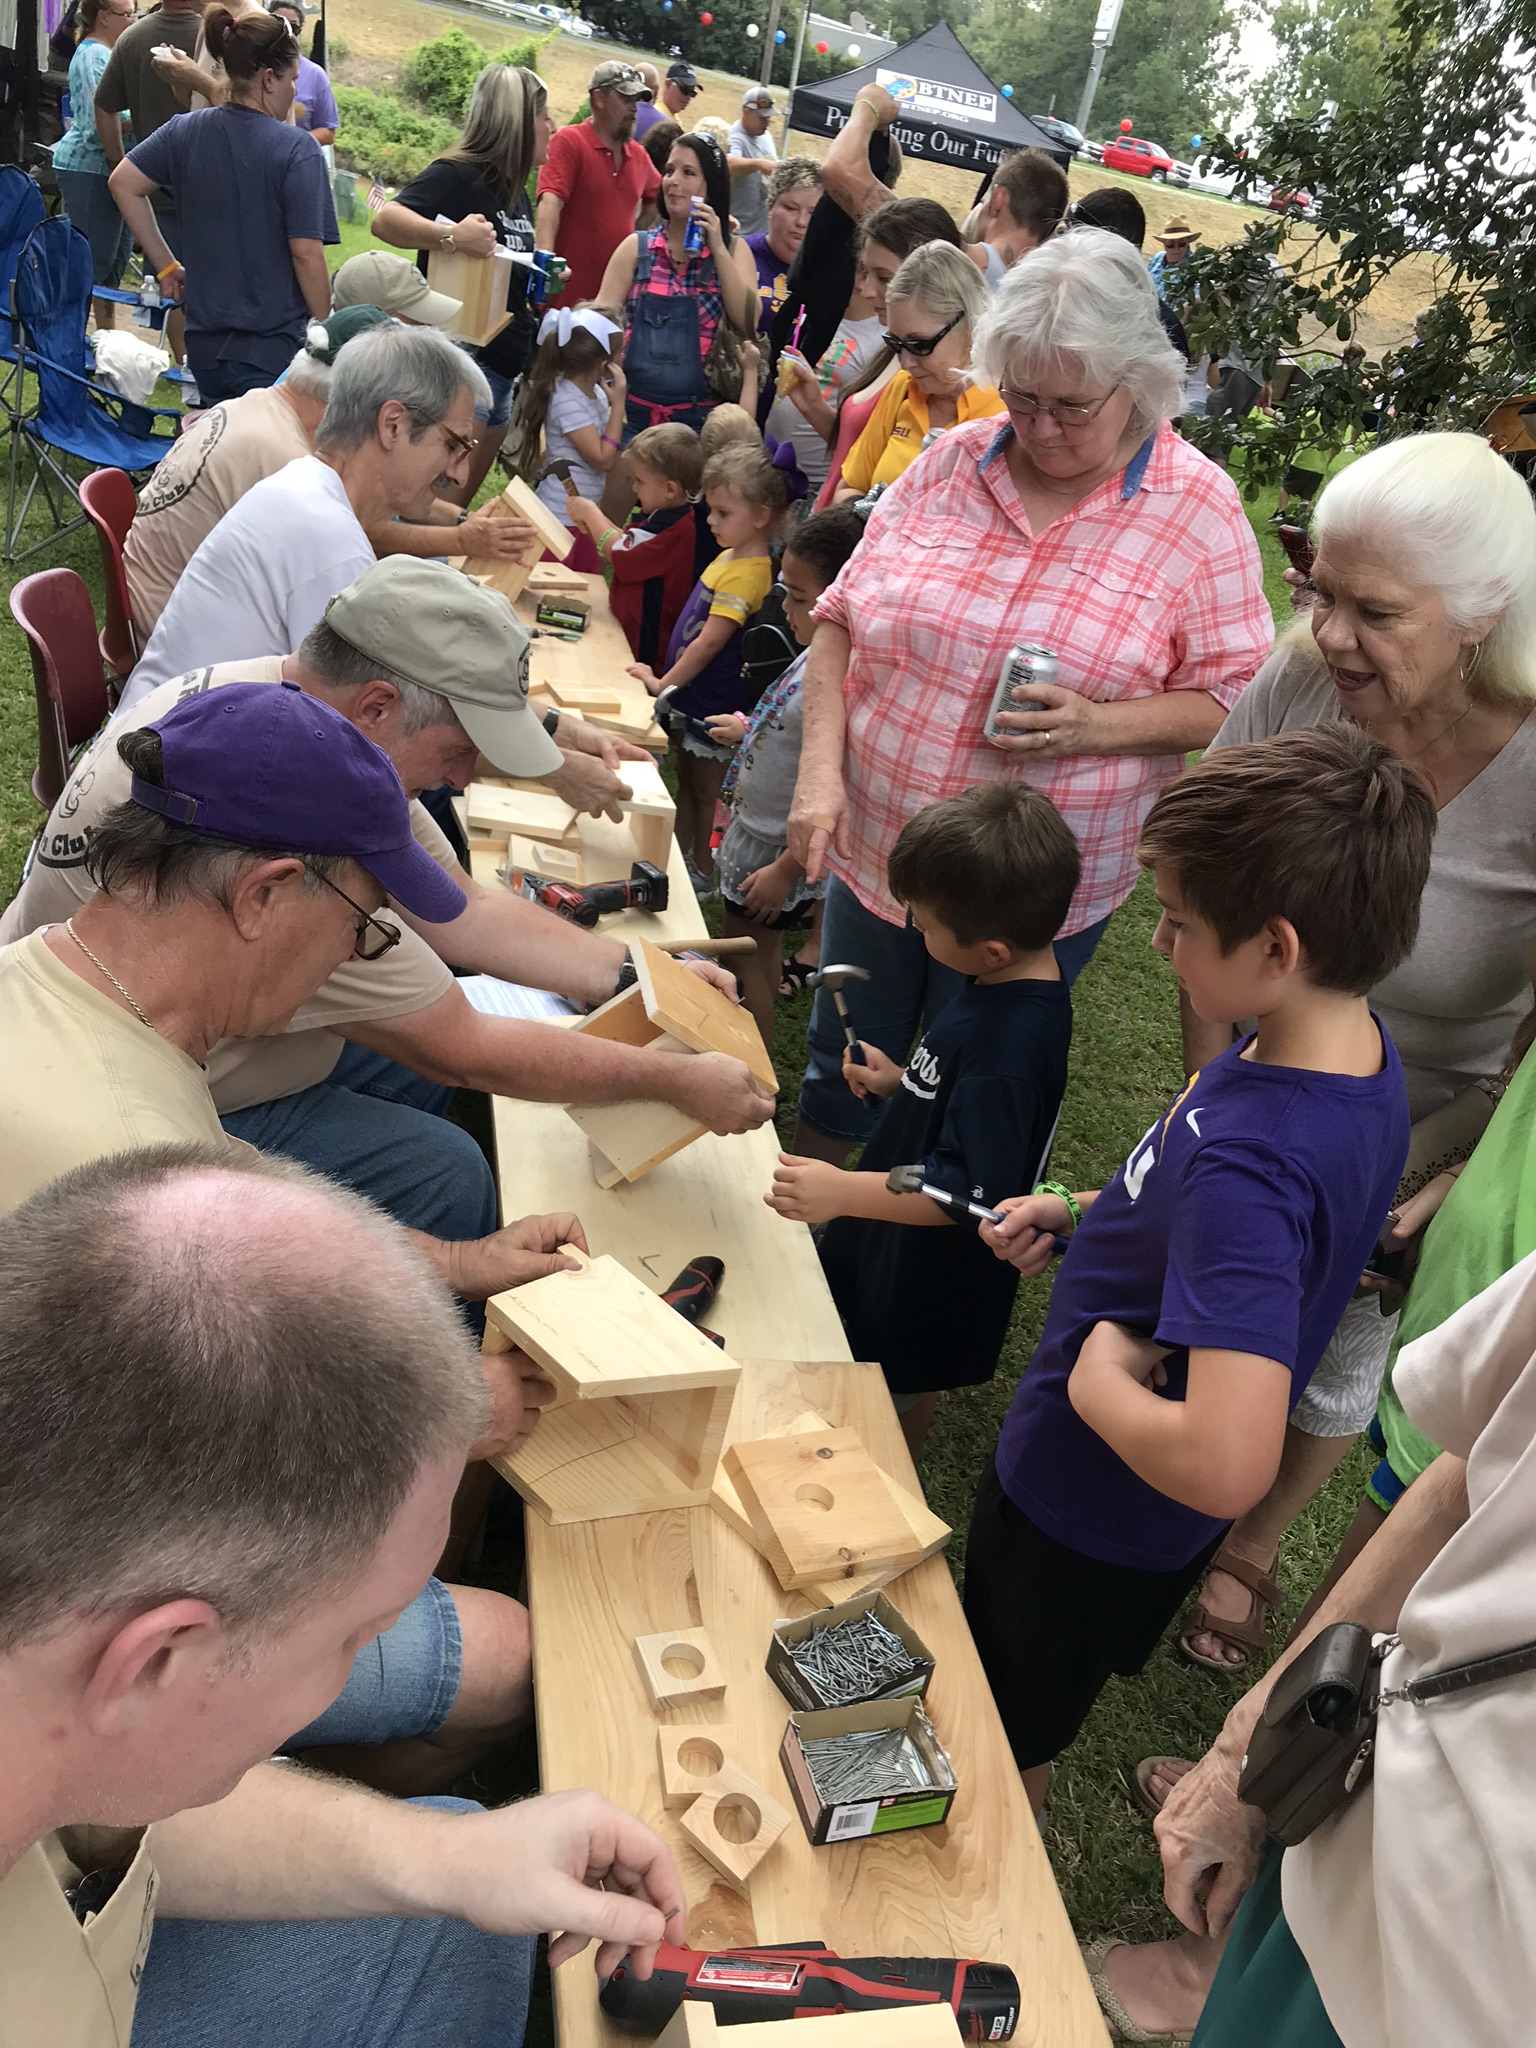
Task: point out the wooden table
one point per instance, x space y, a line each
601 656
980 1885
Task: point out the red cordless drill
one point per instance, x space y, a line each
646 889
693 1292
745 1984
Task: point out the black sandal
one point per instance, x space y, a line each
796 973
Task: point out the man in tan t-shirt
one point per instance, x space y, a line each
210 467
236 1408
431 666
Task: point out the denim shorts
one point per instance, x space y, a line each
501 397
403 1683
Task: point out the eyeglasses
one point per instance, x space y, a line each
374 938
458 444
920 344
1022 407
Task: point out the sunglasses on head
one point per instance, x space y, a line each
920 344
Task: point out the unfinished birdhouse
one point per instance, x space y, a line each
509 574
641 1403
672 1010
481 285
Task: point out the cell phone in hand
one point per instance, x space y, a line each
1299 550
1388 1261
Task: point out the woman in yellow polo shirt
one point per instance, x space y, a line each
931 303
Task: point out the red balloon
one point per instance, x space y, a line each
821 49
707 19
1125 127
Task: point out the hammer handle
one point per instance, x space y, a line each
713 947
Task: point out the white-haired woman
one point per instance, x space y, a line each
474 198
932 307
1081 523
1423 632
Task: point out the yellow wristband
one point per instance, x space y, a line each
162 275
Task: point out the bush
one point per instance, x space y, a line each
382 138
441 74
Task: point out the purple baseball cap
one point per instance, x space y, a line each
275 768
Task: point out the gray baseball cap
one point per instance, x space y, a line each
614 75
443 631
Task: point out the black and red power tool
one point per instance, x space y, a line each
646 889
693 1292
745 1984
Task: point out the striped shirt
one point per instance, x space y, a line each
1152 583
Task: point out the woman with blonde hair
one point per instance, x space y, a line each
932 304
473 198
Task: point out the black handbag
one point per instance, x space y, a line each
1315 1745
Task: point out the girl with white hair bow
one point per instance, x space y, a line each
570 412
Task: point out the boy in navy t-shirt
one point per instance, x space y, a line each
987 878
1201 1286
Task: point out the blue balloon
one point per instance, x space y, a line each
779 36
1007 92
1195 141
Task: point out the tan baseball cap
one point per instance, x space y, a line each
445 632
394 283
614 75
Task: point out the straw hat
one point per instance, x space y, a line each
1178 230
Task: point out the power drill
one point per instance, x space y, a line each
744 1984
646 889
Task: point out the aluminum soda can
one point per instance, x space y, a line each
1022 665
693 233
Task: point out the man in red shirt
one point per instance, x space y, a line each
597 183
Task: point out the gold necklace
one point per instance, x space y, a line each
102 968
1445 731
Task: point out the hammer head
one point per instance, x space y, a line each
904 1180
833 978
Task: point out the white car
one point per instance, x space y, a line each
575 26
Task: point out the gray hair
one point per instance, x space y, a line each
419 367
1451 516
945 279
136 852
1085 298
345 667
220 1378
308 377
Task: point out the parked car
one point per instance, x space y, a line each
575 26
1140 159
1061 131
1094 151
1181 173
1283 199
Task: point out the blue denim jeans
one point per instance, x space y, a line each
380 1129
403 1684
906 989
334 1983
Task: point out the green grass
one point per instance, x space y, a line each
1125 1067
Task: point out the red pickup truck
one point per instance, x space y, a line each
1141 159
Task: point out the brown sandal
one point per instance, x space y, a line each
1250 1636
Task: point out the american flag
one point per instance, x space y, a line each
377 197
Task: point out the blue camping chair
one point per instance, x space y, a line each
75 416
22 208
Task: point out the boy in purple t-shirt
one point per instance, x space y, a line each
1201 1286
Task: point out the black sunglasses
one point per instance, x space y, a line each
920 345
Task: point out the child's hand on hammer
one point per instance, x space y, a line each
878 1076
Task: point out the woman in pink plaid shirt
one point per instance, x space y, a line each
1082 524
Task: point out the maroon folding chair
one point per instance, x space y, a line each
108 499
53 608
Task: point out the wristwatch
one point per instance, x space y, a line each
550 720
447 241
627 975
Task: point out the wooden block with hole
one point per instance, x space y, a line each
629 1138
642 1398
532 813
480 284
562 863
695 2025
929 1533
818 1504
679 1666
553 579
690 1759
649 811
734 1827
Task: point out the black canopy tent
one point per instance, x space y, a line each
951 112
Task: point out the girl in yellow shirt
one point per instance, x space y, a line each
932 304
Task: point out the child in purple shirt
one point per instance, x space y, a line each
1202 1285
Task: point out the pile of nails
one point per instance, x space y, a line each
868 1764
855 1659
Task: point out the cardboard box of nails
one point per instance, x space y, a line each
867 1770
861 1649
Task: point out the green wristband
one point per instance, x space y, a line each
1074 1206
